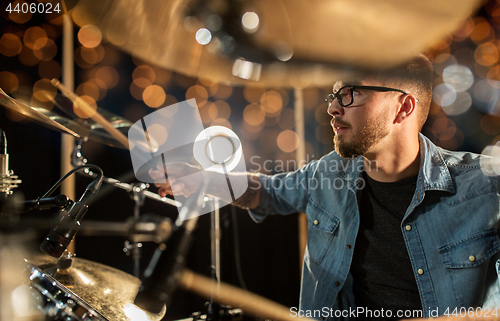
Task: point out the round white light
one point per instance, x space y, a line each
203 36
250 21
460 77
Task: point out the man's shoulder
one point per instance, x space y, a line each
468 172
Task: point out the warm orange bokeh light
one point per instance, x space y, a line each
288 141
89 36
154 96
10 45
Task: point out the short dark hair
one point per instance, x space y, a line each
415 77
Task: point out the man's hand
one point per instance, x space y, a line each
178 182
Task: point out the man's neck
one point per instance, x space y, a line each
394 162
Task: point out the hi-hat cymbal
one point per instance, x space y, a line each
107 290
62 118
290 43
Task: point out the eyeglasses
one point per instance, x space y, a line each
345 95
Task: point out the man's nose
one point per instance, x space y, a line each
335 109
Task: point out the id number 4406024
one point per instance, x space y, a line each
472 312
33 8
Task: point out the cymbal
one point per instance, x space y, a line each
109 291
292 44
62 118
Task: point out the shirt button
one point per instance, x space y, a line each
349 246
408 227
420 271
472 258
316 222
337 283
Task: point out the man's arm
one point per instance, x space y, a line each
218 185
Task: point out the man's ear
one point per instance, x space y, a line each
407 107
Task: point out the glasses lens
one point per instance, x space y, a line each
345 96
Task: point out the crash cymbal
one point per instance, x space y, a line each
61 116
107 290
288 43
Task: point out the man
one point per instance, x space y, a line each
397 227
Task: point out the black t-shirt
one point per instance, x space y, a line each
381 268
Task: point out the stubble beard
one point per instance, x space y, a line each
370 133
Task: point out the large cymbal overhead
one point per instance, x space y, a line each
290 43
61 116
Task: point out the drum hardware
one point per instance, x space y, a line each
134 248
75 289
8 180
161 277
59 238
77 159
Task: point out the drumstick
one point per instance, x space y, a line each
95 115
227 294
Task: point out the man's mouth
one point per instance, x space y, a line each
339 128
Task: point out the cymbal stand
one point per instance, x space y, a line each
134 248
138 192
78 159
212 310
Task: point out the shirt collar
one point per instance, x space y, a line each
433 173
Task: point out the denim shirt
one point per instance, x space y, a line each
450 230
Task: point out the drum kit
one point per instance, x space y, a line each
294 49
64 287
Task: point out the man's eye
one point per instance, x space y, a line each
355 93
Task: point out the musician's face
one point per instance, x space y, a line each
360 127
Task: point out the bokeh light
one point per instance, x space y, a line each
8 81
158 132
288 141
199 93
88 89
254 114
33 35
108 75
84 107
490 160
482 30
44 91
89 36
143 76
10 45
46 52
459 77
272 102
486 54
154 96
20 16
253 93
444 94
461 104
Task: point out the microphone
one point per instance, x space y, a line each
8 181
43 203
58 239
